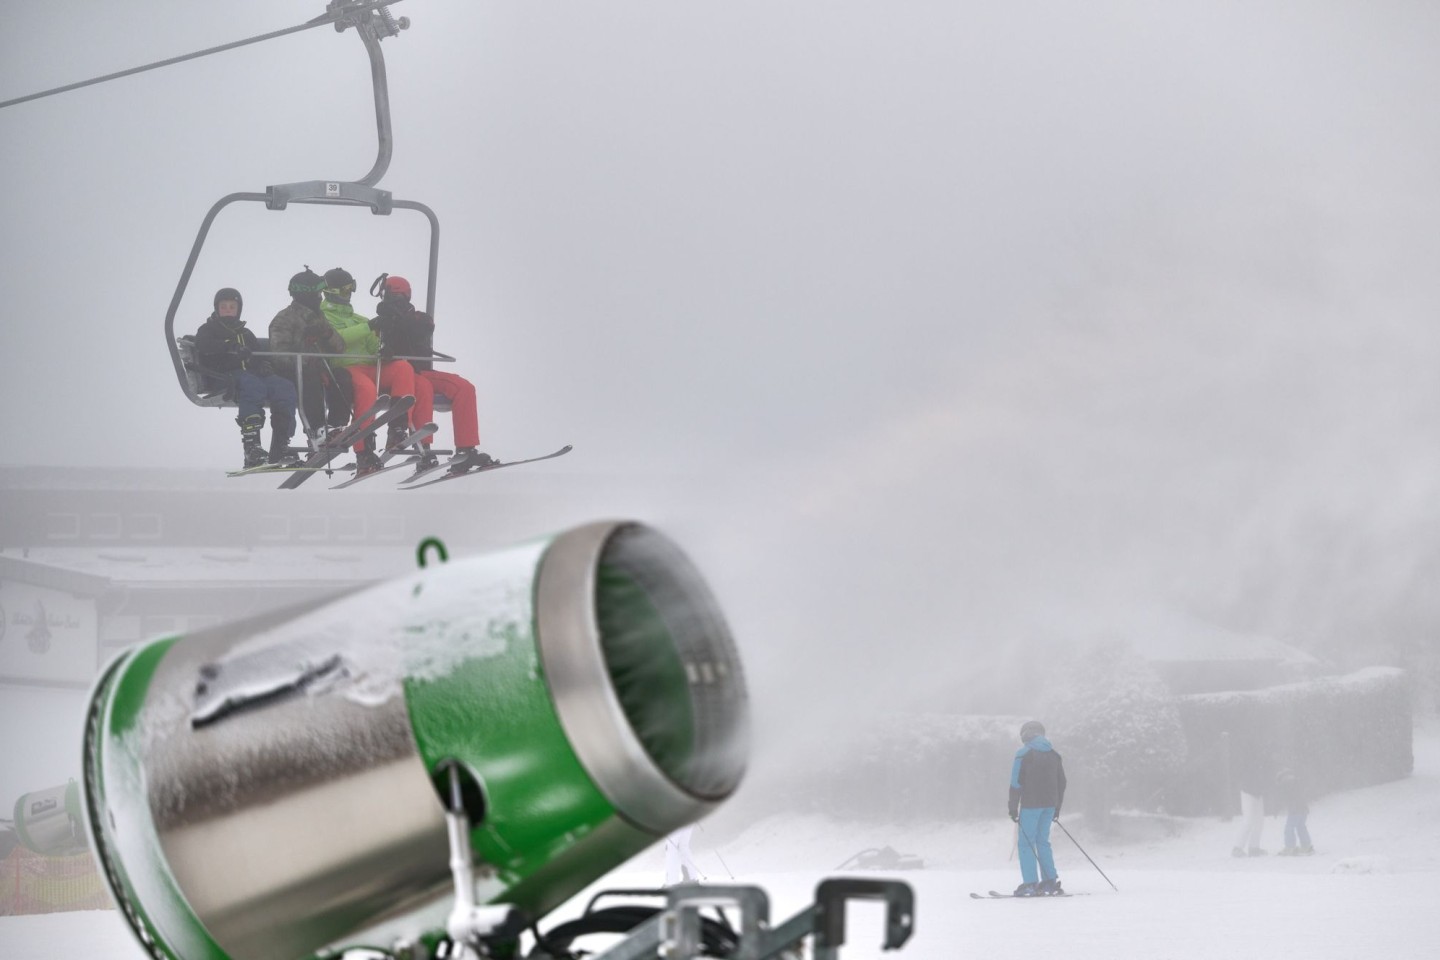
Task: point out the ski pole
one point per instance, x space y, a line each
1087 856
716 851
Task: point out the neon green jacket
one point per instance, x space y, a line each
354 329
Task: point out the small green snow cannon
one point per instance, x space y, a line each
50 822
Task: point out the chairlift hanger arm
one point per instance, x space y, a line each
342 13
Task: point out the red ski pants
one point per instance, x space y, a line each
461 394
397 378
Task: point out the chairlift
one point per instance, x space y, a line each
373 22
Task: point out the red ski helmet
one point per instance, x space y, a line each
396 287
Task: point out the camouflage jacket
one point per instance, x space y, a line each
298 329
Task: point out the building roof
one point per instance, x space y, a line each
79 569
1166 636
55 577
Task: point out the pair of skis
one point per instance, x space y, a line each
383 412
996 895
463 465
469 466
413 444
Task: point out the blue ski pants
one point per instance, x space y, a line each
251 391
1295 827
1035 842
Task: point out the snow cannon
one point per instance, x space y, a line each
432 760
51 822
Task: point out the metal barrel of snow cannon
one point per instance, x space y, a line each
50 822
271 789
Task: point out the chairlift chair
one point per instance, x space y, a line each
373 22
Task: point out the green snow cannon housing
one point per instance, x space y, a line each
272 789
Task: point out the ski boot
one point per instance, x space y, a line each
250 439
1257 852
469 458
281 455
366 463
1238 852
1049 888
324 436
395 438
1027 890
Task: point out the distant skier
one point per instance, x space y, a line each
407 332
1255 780
680 866
1292 795
1037 789
224 345
301 328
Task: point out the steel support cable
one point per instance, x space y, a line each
320 21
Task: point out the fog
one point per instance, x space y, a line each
945 336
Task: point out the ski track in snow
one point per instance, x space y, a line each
1367 893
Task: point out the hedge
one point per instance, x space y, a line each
1336 733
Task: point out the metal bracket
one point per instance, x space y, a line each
830 898
674 934
680 923
279 195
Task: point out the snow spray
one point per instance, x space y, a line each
271 789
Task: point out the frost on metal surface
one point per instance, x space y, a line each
292 726
360 645
314 692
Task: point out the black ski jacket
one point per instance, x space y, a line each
1037 778
224 345
405 332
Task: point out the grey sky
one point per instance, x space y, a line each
941 321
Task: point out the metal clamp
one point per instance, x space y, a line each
830 898
380 202
680 923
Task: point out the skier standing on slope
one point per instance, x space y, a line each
680 866
1255 778
1292 793
1037 789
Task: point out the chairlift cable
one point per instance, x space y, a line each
320 21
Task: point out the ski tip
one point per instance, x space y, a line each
977 896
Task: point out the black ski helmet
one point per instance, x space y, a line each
307 281
339 285
229 293
1031 729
